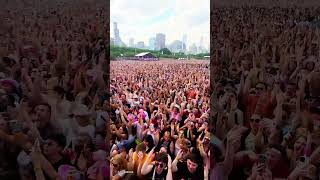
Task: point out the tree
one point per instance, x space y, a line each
166 51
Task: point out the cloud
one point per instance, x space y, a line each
142 19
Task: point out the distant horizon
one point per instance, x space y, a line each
174 18
159 50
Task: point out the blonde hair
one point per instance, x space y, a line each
120 161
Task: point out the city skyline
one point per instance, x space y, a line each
175 19
159 42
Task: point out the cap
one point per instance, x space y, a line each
121 147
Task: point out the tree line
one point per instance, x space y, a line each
116 51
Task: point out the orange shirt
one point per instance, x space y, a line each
136 160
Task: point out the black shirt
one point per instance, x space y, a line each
62 161
188 136
157 176
184 173
56 165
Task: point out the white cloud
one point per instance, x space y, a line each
191 17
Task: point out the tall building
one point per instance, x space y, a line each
131 42
193 49
152 43
111 41
201 42
176 46
184 40
201 48
140 44
117 39
160 41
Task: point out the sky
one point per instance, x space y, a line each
143 19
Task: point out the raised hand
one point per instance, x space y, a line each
300 170
82 162
130 153
234 136
140 156
169 162
257 167
179 155
280 98
172 126
36 154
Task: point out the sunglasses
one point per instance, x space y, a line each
159 164
115 165
49 143
255 120
252 92
259 88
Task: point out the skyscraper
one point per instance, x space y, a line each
184 40
140 44
176 46
201 48
201 42
131 42
193 49
160 41
117 39
111 41
152 43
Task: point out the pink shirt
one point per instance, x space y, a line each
175 116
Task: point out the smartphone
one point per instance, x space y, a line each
262 158
304 159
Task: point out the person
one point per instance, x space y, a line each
53 150
53 69
160 168
192 168
264 65
118 165
154 114
43 120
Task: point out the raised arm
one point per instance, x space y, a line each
169 173
146 167
174 166
35 91
36 160
233 141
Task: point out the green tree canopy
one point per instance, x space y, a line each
116 51
166 51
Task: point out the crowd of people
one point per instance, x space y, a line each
258 118
265 93
53 89
159 120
